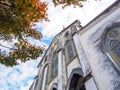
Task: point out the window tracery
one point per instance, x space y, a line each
112 44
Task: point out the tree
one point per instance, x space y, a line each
69 2
17 17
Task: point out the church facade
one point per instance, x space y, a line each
83 58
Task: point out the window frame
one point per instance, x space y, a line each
68 60
53 69
110 53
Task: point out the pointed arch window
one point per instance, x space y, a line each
112 44
69 51
54 67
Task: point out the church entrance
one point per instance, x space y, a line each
76 83
76 80
54 89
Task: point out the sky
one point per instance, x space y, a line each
21 77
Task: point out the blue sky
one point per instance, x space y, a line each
21 77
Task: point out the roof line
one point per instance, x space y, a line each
54 39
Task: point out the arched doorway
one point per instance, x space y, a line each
75 81
54 89
54 86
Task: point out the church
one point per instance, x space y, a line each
83 58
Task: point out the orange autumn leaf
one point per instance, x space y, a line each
17 17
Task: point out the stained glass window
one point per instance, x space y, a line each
54 67
112 44
69 51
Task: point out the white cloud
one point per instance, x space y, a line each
37 42
18 77
60 18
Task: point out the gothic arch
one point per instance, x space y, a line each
111 43
75 81
54 86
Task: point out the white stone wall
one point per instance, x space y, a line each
82 56
90 85
105 75
74 64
